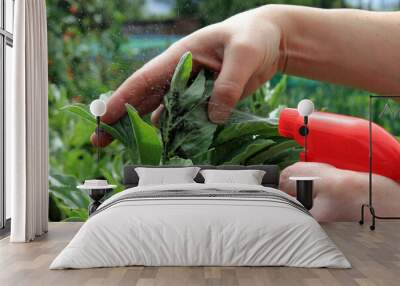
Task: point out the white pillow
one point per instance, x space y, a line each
248 177
166 176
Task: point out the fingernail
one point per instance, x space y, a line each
218 113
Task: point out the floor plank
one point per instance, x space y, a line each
375 257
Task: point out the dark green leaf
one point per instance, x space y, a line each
197 132
272 152
237 130
185 128
195 93
224 152
176 161
246 151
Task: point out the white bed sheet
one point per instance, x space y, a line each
200 232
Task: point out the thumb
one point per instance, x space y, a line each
236 71
156 114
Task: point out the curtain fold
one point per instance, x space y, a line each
27 124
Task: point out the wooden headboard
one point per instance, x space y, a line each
271 177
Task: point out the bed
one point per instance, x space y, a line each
201 224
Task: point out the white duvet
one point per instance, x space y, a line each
200 231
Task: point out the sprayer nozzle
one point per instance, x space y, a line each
288 122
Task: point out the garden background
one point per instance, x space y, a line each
94 45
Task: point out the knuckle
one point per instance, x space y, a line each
245 46
181 46
228 92
144 78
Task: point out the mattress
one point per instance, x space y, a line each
201 225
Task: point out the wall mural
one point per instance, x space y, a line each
94 49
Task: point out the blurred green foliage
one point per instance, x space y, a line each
85 45
85 59
212 11
72 160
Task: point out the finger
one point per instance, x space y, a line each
252 86
140 88
144 89
154 77
155 116
255 82
105 139
238 66
102 140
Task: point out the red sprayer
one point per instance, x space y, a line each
343 141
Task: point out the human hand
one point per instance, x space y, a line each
247 49
243 51
339 194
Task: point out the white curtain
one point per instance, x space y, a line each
27 124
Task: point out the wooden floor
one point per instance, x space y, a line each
375 257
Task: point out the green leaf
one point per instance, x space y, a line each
79 109
117 164
59 180
196 134
177 161
78 162
274 100
282 148
289 160
64 188
182 73
223 152
273 152
249 150
238 130
274 114
195 93
121 130
112 181
185 128
65 200
124 127
81 133
147 139
285 156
